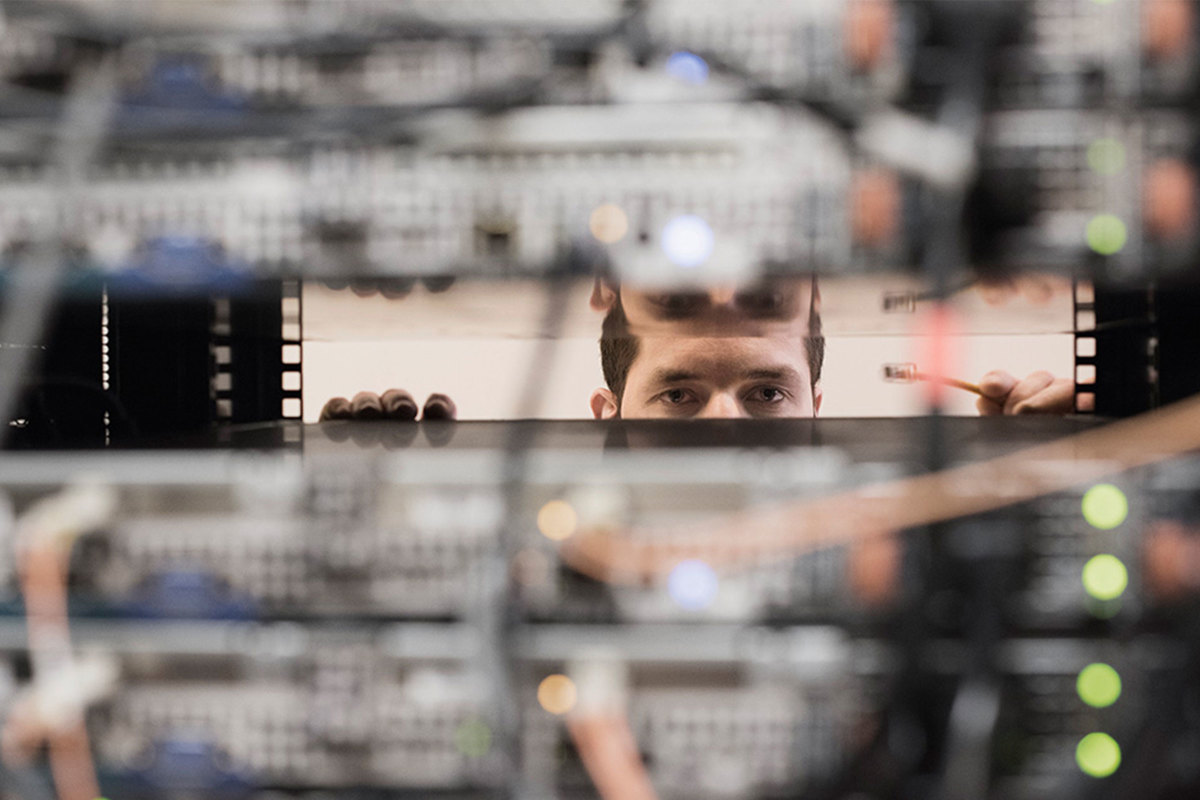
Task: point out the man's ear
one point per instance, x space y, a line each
818 396
604 296
604 404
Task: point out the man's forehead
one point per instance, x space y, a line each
711 357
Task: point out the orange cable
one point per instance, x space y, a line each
954 382
609 752
44 584
638 556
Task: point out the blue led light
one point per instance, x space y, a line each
687 240
687 67
693 585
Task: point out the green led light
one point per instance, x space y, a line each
473 738
1106 156
1098 755
1098 685
1106 234
1105 506
1105 577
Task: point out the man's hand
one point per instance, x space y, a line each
394 404
391 288
1039 393
1035 288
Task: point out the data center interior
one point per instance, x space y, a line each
599 399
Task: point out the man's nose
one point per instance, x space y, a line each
722 296
722 405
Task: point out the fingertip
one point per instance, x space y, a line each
996 293
439 407
436 284
336 408
1037 289
363 287
997 384
366 405
397 288
1030 394
1058 398
988 408
400 405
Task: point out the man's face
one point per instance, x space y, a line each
681 377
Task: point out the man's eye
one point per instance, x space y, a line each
760 300
768 394
680 302
676 397
764 302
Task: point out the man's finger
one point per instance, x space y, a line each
399 404
439 407
337 408
364 287
1057 398
436 284
997 385
1039 288
988 407
1026 389
397 288
997 292
366 405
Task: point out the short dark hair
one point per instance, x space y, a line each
619 347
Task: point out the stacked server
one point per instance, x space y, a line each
498 613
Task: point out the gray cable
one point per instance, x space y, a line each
33 286
493 603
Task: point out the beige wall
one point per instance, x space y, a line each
484 376
474 343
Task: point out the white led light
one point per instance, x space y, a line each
688 241
693 585
687 67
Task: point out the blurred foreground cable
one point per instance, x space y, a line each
635 555
610 754
52 710
600 730
492 603
32 288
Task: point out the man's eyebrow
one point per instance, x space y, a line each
772 374
667 375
